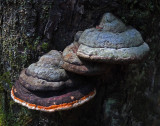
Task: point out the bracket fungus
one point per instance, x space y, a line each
72 63
112 42
46 86
52 85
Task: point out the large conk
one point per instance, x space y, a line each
46 86
112 42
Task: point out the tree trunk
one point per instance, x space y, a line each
128 96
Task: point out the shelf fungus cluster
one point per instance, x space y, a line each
64 81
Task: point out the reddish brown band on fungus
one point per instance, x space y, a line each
52 107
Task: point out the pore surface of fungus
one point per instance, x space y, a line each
113 42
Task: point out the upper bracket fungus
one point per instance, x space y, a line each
112 43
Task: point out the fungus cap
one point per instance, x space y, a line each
96 38
74 64
113 42
111 23
52 101
48 75
49 67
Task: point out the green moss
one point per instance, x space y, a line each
44 46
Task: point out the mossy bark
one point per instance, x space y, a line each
130 94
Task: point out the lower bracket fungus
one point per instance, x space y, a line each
46 86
